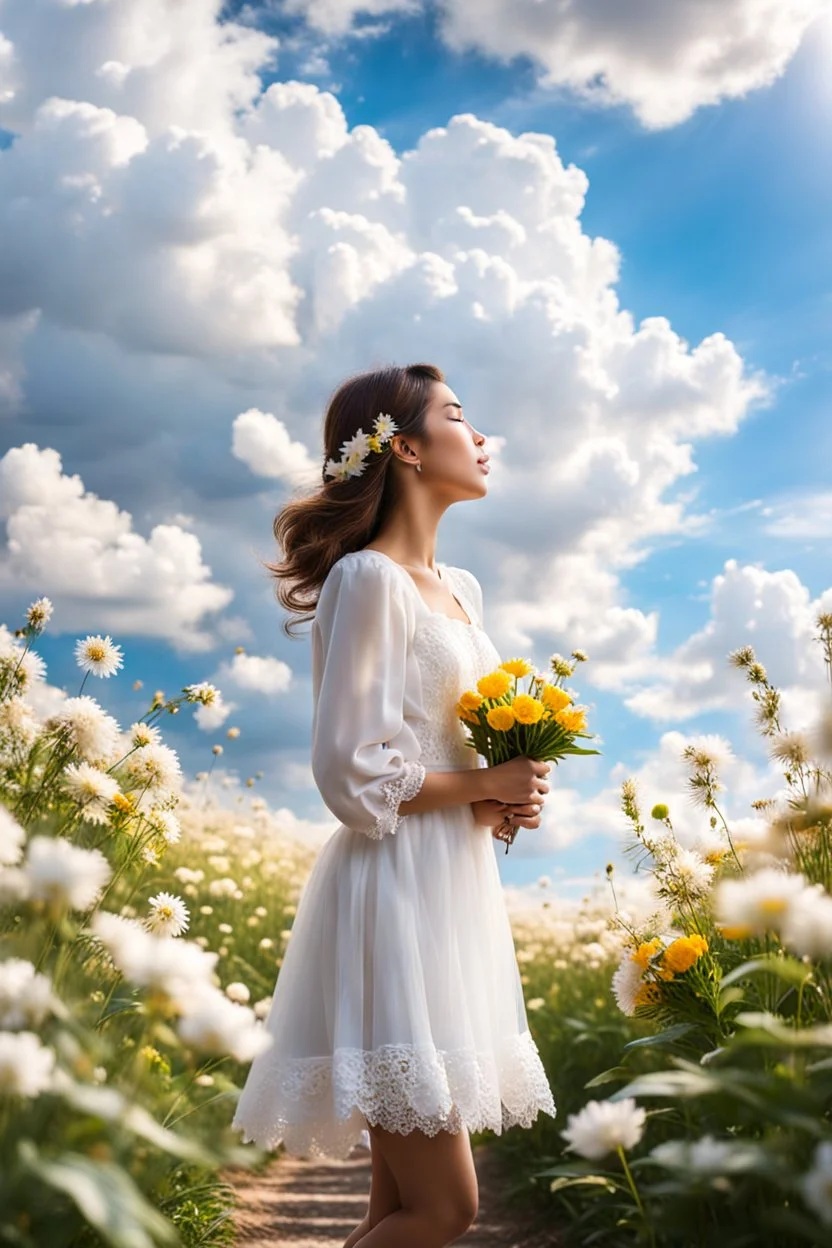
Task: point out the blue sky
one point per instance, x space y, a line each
722 221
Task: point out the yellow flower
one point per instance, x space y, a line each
527 709
645 952
470 700
373 443
680 955
648 994
554 698
664 973
123 802
572 721
470 717
737 932
501 718
494 684
517 667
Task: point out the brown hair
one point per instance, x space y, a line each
314 531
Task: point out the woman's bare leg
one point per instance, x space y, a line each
437 1184
384 1196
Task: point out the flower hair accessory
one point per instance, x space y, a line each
355 451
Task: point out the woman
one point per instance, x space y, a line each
399 1007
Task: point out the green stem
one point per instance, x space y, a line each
648 1227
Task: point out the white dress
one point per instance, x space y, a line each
399 1000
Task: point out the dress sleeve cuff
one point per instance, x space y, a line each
400 789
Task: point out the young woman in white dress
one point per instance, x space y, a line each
398 1016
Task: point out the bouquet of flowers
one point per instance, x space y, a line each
540 722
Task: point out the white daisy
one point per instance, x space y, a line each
238 992
217 1026
626 983
168 916
26 666
758 902
356 446
93 789
177 969
603 1126
99 655
691 872
385 427
144 734
262 1007
25 995
336 468
26 1066
203 692
12 838
39 614
89 730
156 767
65 874
18 720
806 928
166 822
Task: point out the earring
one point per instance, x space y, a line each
418 467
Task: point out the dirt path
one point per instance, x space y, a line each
313 1204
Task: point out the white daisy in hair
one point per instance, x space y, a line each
98 655
92 789
358 445
169 916
385 427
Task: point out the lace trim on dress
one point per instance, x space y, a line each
399 789
320 1106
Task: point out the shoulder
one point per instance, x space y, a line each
367 573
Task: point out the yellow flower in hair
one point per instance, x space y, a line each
501 718
572 721
373 442
470 700
554 698
517 667
527 709
494 684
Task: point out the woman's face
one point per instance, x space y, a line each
455 449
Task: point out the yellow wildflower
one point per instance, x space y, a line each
517 667
123 802
737 932
494 684
645 951
680 955
470 716
374 443
554 698
501 718
527 709
470 700
572 721
648 994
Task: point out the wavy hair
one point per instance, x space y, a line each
313 531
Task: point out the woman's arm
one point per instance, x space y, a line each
449 788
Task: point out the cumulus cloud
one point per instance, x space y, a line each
83 552
771 611
662 60
258 673
264 444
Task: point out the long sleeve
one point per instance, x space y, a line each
365 756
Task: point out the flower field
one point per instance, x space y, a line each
688 1040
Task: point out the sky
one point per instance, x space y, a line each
609 225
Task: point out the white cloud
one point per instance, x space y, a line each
806 517
771 611
258 673
663 60
264 445
83 552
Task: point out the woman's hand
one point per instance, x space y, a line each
491 813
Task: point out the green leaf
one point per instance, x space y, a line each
661 1037
790 970
105 1195
765 1028
608 1076
591 1180
109 1104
